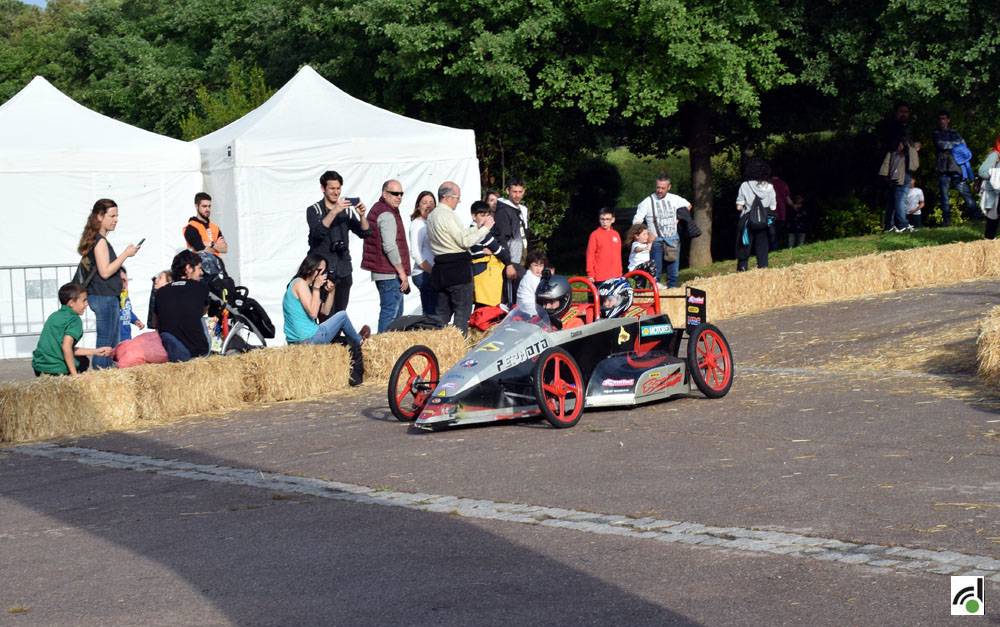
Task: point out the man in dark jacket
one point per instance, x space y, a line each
330 220
949 172
510 230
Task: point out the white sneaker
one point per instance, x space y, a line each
662 286
892 229
909 229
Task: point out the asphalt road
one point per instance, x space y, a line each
857 422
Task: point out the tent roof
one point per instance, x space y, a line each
44 130
310 120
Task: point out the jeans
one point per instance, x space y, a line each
428 295
945 181
390 302
899 192
176 350
331 327
796 239
656 252
105 309
456 300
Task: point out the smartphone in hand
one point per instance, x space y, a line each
354 200
139 245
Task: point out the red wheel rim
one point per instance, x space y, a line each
415 381
561 385
713 360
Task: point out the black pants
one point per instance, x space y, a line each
456 300
83 362
991 228
760 244
342 294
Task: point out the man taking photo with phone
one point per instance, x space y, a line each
330 220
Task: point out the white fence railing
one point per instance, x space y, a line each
29 294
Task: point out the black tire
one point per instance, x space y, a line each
710 361
420 367
552 392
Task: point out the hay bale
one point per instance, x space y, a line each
167 391
51 407
381 351
988 347
294 372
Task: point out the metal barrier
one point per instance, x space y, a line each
29 294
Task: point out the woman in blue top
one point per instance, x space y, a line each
304 302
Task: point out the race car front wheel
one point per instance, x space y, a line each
411 382
559 388
710 360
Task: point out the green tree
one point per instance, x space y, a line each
245 91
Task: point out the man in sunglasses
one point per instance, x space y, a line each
387 255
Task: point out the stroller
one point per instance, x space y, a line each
243 324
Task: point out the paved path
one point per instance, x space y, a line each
852 467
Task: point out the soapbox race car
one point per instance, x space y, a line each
526 367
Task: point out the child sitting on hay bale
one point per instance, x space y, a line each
302 305
57 353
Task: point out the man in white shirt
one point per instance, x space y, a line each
450 243
659 212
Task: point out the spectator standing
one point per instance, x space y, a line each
783 198
638 238
948 142
56 352
420 250
102 281
330 220
489 258
797 220
537 262
450 243
490 198
989 171
511 218
661 212
755 203
387 255
914 205
204 236
604 249
900 161
127 317
180 306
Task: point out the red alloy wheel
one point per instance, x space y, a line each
711 361
411 382
559 388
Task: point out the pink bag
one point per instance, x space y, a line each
143 349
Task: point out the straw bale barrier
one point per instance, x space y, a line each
293 372
988 347
805 284
166 391
381 351
49 407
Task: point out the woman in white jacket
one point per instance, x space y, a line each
752 236
990 201
420 251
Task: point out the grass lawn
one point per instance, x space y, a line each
848 247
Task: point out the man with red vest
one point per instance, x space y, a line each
204 236
387 255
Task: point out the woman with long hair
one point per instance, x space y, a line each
756 218
990 201
420 250
103 265
303 304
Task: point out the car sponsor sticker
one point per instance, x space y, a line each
618 383
519 356
656 329
651 386
693 321
696 300
470 363
623 336
693 309
491 347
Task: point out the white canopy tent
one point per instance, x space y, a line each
263 171
56 158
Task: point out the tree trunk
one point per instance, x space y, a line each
700 140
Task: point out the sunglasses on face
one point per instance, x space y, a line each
396 194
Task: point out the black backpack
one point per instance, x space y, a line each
757 218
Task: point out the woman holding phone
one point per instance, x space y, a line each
103 283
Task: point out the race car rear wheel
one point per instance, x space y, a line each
559 388
710 360
411 382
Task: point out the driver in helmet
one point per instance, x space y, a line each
554 296
616 298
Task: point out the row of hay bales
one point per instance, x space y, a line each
988 347
50 407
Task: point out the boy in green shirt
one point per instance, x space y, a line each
56 353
